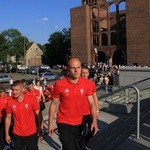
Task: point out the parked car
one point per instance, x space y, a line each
4 78
51 76
43 71
44 67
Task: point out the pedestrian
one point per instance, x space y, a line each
44 83
22 108
36 93
41 101
71 91
87 118
3 101
11 82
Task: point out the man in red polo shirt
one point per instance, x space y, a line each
36 93
71 91
23 108
3 101
87 118
32 91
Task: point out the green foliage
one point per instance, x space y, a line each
57 50
12 43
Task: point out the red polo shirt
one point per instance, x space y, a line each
23 114
93 86
3 102
85 104
73 97
34 92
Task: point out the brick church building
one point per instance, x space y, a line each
111 31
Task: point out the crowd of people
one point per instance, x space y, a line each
21 119
21 110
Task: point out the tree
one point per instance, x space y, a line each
57 50
12 43
3 50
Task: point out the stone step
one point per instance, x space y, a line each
121 129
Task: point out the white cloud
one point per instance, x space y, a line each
44 20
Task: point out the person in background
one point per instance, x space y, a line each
48 92
64 72
11 82
72 91
22 108
32 91
87 118
45 83
36 93
25 84
3 101
38 87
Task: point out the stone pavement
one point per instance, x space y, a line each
52 142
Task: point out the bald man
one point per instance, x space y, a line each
74 93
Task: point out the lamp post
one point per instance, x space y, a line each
96 57
24 53
24 50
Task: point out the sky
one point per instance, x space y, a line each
36 19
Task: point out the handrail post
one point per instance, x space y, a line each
138 112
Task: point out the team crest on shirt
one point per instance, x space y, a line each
26 106
14 107
81 91
67 91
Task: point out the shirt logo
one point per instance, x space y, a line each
14 107
81 91
26 105
67 91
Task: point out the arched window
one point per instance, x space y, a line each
104 39
122 23
94 13
122 37
112 7
95 40
122 5
113 38
95 26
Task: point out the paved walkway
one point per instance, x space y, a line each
53 143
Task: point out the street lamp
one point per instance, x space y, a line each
24 50
96 56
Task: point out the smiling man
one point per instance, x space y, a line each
22 108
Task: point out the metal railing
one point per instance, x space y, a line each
128 94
